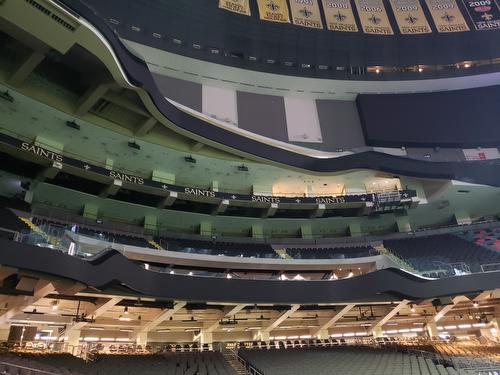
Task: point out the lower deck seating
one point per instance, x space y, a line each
343 360
207 363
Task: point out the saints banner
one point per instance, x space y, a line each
373 17
484 14
273 10
447 16
236 6
410 17
339 15
306 13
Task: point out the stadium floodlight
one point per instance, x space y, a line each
72 124
190 159
242 168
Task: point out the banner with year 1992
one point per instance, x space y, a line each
410 17
339 15
484 14
446 15
236 6
306 13
274 10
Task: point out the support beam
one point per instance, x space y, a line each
236 309
335 318
90 98
111 189
99 310
17 304
145 127
270 211
221 208
168 200
281 319
446 309
164 315
26 68
320 211
197 146
390 315
50 172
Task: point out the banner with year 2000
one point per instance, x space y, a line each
339 15
373 17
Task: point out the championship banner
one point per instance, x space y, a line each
447 16
306 13
339 15
273 10
373 17
410 17
236 6
484 14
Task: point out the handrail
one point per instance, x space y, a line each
29 368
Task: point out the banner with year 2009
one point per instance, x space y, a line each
373 17
339 15
446 15
484 14
410 17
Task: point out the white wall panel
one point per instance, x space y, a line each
302 120
220 103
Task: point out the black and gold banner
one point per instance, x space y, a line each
306 13
484 14
274 10
410 17
373 17
236 6
446 15
339 15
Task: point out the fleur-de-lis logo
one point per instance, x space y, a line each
273 6
411 19
306 13
340 17
448 18
375 20
487 16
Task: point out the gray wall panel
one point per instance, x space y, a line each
184 92
262 114
340 124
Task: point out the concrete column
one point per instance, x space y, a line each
142 339
205 228
215 186
263 336
377 331
306 232
26 68
90 211
206 338
73 340
150 222
403 224
160 176
462 218
322 334
257 231
432 330
355 230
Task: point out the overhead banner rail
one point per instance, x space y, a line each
192 191
372 15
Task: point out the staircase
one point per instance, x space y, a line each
282 253
232 359
39 231
155 244
399 261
